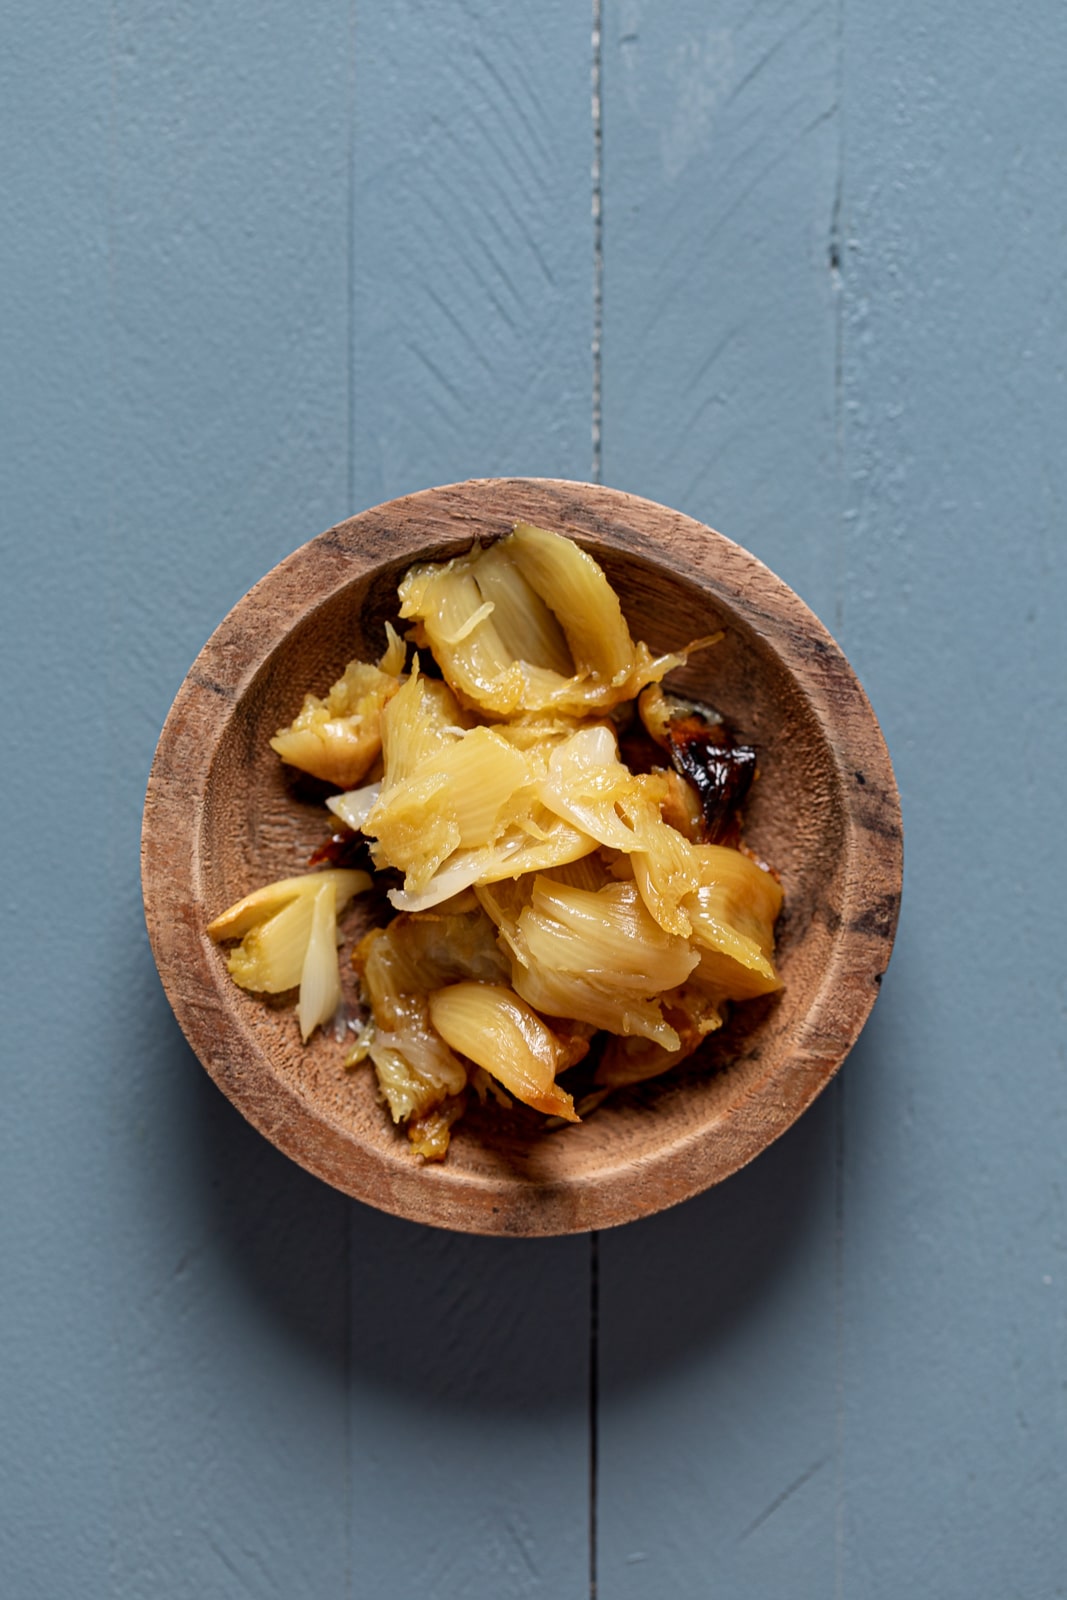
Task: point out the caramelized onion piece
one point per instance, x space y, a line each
398 966
693 1010
339 739
733 911
491 1025
431 1132
530 624
456 805
594 956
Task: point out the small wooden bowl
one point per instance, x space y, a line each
222 817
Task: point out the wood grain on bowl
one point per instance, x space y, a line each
223 815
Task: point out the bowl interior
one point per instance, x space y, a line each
258 821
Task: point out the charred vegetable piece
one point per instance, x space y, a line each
342 849
722 776
700 749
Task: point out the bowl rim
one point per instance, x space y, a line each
200 993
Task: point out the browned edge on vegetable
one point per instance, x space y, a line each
825 811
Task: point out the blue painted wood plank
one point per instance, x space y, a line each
229 264
190 342
178 1423
472 244
717 1465
955 346
949 416
718 1460
471 327
469 1408
55 1383
229 405
720 166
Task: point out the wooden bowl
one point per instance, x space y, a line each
222 817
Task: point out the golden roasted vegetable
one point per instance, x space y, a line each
491 1025
426 950
693 1010
460 798
413 1091
288 934
431 1132
338 739
418 722
733 910
398 966
456 805
596 956
529 624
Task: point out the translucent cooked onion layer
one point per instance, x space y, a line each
555 903
529 624
497 1031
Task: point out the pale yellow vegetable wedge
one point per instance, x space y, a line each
733 910
456 805
594 956
397 966
288 934
494 1028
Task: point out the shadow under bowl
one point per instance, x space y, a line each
222 816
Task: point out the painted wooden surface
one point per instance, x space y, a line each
264 265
